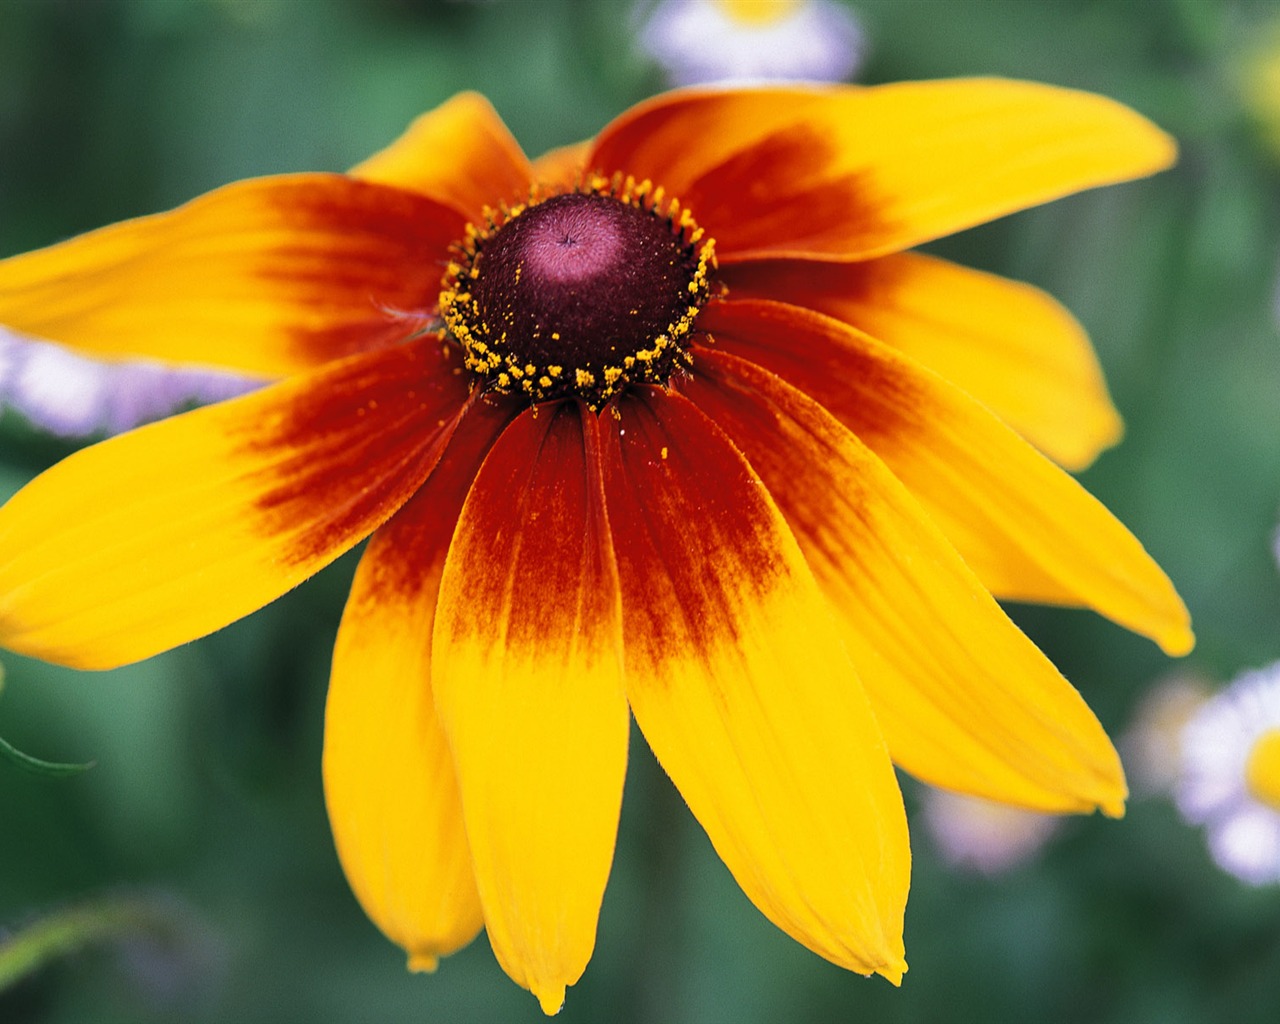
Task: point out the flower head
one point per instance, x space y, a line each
698 41
666 424
1230 780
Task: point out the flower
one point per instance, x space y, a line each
1151 747
697 460
699 41
1230 780
71 395
983 836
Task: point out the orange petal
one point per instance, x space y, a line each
847 173
527 671
270 276
461 153
164 534
561 169
1011 346
388 774
965 700
1028 530
740 684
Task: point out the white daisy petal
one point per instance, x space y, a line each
1247 844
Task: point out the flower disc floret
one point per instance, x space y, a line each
579 294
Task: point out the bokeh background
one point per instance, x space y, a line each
205 804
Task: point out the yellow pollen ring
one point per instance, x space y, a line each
486 355
1262 769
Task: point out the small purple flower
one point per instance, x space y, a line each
984 837
73 395
698 41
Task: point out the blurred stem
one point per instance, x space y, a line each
54 769
69 930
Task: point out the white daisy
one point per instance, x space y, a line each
1230 780
699 41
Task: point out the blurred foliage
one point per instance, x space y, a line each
207 786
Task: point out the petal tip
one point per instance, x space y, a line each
1177 643
423 963
1164 149
550 998
1137 140
1112 802
1113 808
893 971
1107 433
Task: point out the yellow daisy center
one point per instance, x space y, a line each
1262 770
758 12
579 294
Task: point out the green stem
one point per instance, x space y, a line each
68 930
36 766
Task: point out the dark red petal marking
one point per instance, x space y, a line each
778 195
270 276
381 285
537 542
362 439
862 391
420 532
679 493
760 175
807 282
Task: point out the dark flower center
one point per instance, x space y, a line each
579 294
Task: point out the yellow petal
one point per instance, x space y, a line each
561 169
1017 519
848 173
164 534
388 774
739 682
527 672
1011 346
461 152
964 699
270 276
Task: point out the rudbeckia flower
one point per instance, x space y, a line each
669 425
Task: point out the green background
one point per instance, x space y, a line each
206 801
